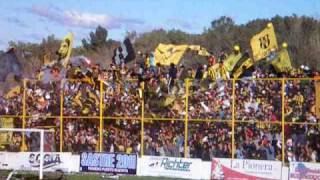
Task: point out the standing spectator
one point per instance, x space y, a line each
172 76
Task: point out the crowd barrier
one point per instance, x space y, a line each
195 107
185 168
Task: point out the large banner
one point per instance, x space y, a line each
171 167
108 163
244 169
263 42
31 161
304 171
165 54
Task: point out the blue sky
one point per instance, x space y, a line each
32 20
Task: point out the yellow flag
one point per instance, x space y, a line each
317 90
282 62
165 54
195 47
212 71
203 52
231 61
245 65
66 49
169 100
218 72
263 42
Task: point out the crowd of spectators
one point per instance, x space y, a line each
122 99
164 95
42 99
80 135
12 105
209 139
164 138
300 108
213 100
258 141
80 99
122 136
258 100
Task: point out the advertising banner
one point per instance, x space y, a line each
171 167
117 163
245 169
304 171
31 161
2 160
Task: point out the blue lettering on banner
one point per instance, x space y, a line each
49 160
174 165
108 162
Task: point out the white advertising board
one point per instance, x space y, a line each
2 160
245 169
31 160
304 171
162 166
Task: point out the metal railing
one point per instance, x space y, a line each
189 87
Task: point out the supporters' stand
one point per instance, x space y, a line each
182 115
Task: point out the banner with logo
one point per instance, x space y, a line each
170 167
31 161
108 163
245 169
301 170
263 42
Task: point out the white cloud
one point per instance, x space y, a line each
75 18
82 19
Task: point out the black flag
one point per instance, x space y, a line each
9 63
124 53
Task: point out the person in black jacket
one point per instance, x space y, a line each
172 76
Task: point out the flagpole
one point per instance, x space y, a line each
186 119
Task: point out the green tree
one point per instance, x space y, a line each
98 39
